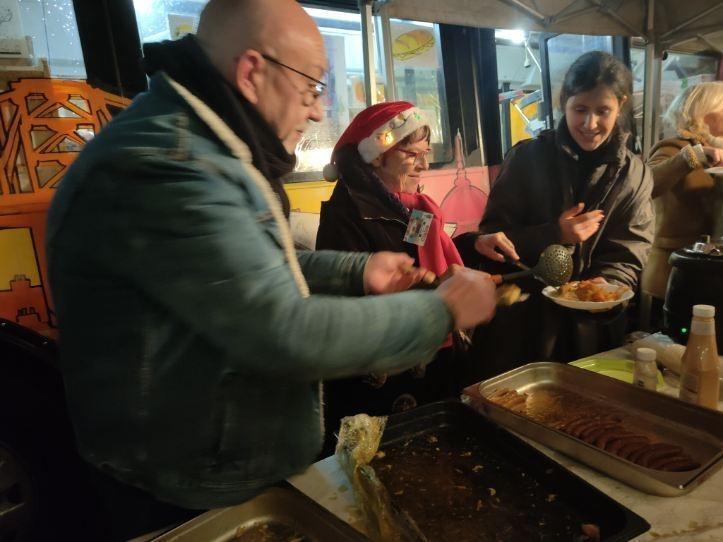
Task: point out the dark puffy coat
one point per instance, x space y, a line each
542 177
539 179
362 220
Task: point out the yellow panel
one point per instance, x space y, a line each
517 123
306 197
18 257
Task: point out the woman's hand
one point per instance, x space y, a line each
714 156
496 246
389 272
576 227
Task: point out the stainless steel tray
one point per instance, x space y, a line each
287 507
698 430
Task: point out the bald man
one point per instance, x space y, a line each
193 338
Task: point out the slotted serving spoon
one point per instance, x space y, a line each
554 268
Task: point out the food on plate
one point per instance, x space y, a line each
509 294
607 430
591 290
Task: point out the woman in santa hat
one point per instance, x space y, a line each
374 207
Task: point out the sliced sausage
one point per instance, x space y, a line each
658 462
679 465
615 446
564 424
580 428
659 449
570 427
590 435
514 402
634 456
609 435
632 448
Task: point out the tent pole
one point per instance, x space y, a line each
690 21
367 27
564 14
527 10
651 92
700 37
605 10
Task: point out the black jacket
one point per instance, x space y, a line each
359 218
542 177
361 215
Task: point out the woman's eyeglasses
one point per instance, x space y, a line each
418 156
313 92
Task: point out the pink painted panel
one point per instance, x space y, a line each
462 194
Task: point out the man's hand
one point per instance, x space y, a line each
714 156
496 246
389 272
576 227
469 296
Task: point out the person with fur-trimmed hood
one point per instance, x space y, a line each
683 190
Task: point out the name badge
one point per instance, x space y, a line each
418 227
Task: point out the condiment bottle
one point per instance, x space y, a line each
699 378
645 373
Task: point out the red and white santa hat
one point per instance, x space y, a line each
376 130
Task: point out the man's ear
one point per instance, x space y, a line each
249 74
377 162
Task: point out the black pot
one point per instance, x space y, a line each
696 278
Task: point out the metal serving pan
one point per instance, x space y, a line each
276 509
698 430
533 492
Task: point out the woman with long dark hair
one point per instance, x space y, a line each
580 186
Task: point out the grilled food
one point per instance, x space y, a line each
605 430
591 290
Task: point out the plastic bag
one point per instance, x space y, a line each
358 443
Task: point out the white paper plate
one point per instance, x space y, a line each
718 171
551 293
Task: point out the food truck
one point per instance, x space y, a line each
486 73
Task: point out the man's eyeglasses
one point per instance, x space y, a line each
313 93
418 156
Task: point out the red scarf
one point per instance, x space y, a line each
438 251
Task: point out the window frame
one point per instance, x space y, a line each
112 52
111 46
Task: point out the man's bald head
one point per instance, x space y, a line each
273 53
276 27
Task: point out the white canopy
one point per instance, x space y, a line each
688 25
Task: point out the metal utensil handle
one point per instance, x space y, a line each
511 277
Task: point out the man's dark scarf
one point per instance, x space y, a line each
185 62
